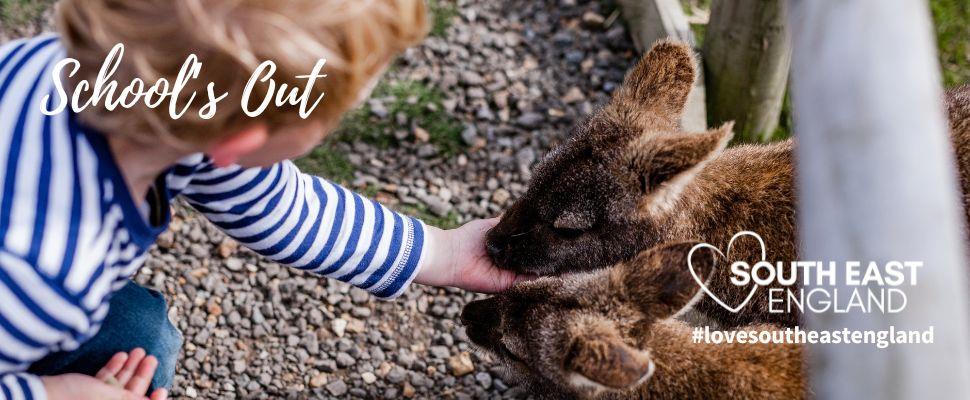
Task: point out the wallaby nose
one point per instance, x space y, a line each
479 313
493 248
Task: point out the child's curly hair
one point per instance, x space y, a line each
232 37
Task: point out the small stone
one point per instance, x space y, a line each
378 109
470 135
191 393
227 248
396 375
530 120
500 196
234 264
166 240
239 366
257 317
471 78
439 352
421 134
593 20
214 309
337 388
484 379
344 360
199 251
461 364
574 95
368 377
318 380
358 295
408 390
355 326
339 327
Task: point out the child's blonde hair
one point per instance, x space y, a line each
232 37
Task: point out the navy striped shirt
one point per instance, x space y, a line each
71 234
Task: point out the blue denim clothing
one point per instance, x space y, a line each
138 317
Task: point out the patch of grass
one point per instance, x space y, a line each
700 30
16 15
690 5
327 162
420 103
442 12
786 123
952 21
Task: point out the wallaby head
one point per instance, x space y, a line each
584 334
599 198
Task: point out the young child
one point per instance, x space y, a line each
83 196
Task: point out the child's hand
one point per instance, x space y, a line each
124 377
457 258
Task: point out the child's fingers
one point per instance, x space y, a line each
139 382
160 394
134 360
112 367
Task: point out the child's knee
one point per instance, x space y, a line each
146 312
166 347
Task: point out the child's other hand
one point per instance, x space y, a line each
457 258
125 377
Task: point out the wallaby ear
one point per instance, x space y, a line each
598 359
661 82
664 164
661 281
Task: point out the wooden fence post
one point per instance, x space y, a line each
747 54
877 181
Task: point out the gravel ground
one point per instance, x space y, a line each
517 74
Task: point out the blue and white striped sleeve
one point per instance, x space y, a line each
312 224
15 386
37 316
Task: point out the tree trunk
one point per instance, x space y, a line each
747 55
877 182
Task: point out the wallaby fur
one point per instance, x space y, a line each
610 334
629 178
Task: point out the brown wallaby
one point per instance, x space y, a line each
610 334
629 178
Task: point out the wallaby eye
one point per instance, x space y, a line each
568 233
570 224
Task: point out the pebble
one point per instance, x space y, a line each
337 387
318 380
339 327
461 364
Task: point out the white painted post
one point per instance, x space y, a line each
877 181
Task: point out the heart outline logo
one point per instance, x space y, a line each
703 285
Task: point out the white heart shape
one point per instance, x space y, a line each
703 285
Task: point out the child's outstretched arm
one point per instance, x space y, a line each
309 223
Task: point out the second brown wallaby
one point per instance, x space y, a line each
611 334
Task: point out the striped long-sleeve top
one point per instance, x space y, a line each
71 234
